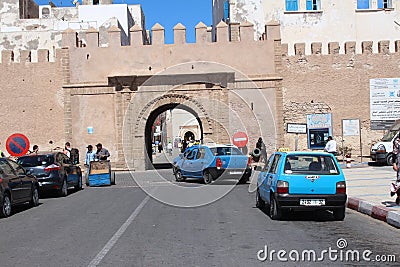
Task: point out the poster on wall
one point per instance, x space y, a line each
319 127
351 127
384 102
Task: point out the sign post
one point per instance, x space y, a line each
296 128
17 145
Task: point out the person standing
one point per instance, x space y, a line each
67 149
35 149
101 153
261 146
330 146
395 188
169 148
90 155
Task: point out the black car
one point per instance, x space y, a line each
16 186
54 171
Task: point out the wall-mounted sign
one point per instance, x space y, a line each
351 127
90 130
297 128
319 127
384 102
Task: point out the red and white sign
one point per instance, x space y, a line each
240 139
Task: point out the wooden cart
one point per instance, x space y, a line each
99 174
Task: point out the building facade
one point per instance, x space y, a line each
307 21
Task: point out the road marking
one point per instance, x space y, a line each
99 257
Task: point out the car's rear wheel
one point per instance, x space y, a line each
389 159
259 202
207 177
6 206
63 191
79 185
34 202
275 211
339 214
178 176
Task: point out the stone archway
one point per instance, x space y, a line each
136 141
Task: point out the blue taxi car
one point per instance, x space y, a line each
302 181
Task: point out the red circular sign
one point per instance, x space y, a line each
17 145
240 139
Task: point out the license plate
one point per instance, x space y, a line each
235 173
312 202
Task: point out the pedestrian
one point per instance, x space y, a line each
169 148
263 150
90 155
101 153
67 149
184 145
159 147
330 146
395 187
35 149
2 155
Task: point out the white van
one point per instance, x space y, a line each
382 152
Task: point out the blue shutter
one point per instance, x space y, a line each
309 5
291 5
362 4
380 3
226 10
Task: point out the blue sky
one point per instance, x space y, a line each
167 13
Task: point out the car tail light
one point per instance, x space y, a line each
341 187
52 167
282 187
248 162
218 163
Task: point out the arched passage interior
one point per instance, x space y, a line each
150 121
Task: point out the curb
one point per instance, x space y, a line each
375 211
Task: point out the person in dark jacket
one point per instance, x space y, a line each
260 145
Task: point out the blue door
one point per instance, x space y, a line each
188 166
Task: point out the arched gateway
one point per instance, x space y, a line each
118 91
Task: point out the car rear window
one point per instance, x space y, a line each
37 160
313 164
225 151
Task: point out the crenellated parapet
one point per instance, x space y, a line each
224 33
346 48
28 56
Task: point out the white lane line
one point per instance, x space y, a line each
99 257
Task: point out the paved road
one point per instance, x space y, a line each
120 226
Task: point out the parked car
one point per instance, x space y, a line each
382 151
53 170
209 162
302 181
16 186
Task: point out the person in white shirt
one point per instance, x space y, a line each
330 146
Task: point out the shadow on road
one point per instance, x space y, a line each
54 194
315 216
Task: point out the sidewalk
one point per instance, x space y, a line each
368 192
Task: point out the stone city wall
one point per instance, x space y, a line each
31 98
335 83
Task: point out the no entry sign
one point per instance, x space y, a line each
17 145
240 139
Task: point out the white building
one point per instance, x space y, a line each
26 26
307 21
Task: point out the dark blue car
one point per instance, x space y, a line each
53 170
